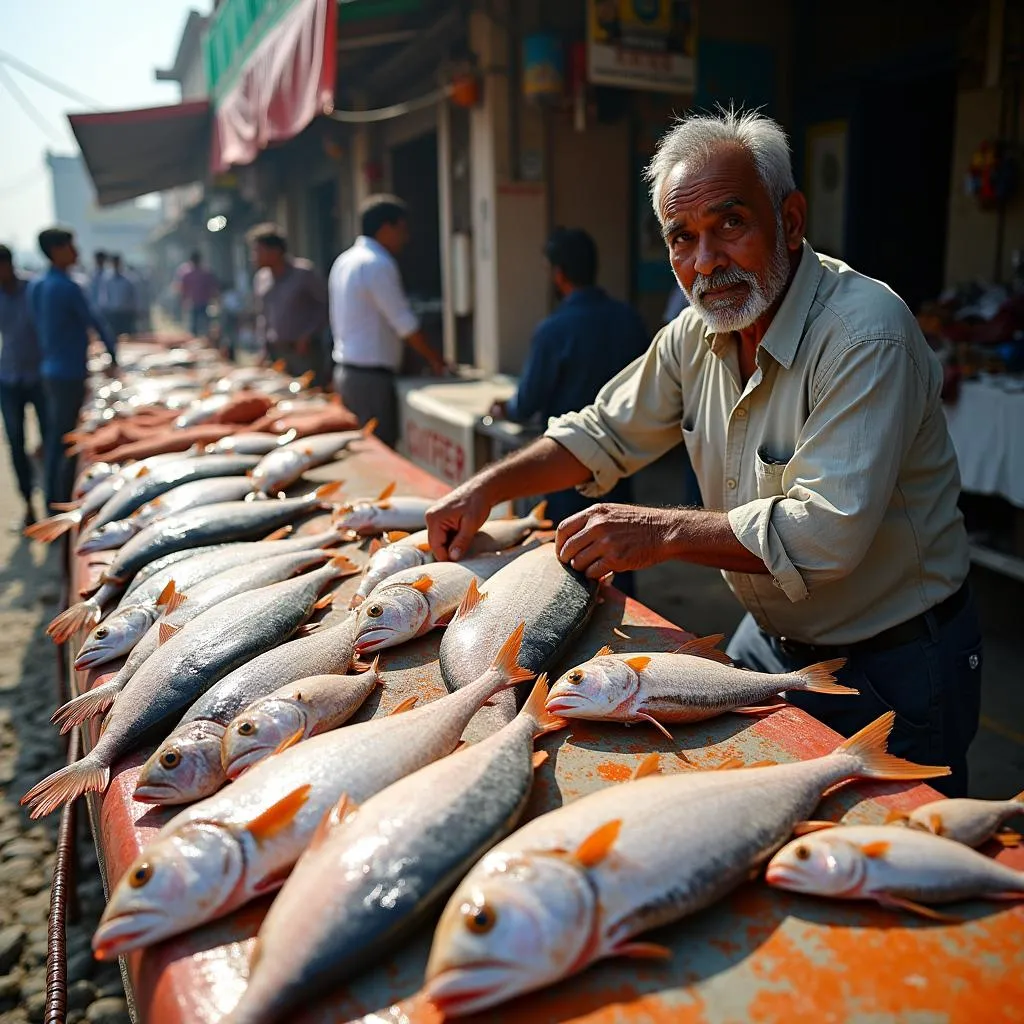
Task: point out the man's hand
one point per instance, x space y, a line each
455 520
616 538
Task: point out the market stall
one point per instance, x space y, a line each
759 955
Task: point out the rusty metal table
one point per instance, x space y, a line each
759 956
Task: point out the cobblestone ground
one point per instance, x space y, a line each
30 748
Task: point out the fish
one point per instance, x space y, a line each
376 870
283 466
226 850
92 476
251 443
202 410
971 822
407 552
385 513
690 685
190 763
293 713
904 869
415 601
192 495
579 884
555 601
189 661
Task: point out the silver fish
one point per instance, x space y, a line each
972 822
283 466
385 513
249 443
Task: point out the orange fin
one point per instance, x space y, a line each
604 652
760 709
875 850
893 816
650 765
375 546
166 594
423 584
539 757
166 632
329 490
803 828
534 708
386 493
639 663
643 951
307 378
706 647
935 823
899 903
325 602
820 678
506 661
280 815
279 534
344 565
597 845
174 601
729 764
370 427
405 705
424 547
539 515
279 366
290 741
332 819
394 536
470 601
142 472
657 725
1008 838
868 748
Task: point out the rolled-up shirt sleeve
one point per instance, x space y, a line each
385 285
838 484
635 418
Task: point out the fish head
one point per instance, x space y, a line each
258 732
94 475
362 518
113 637
821 864
390 617
179 881
595 689
517 923
106 537
185 767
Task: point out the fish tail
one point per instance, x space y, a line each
329 491
370 427
73 619
539 517
48 530
344 566
543 720
873 762
506 662
72 781
1019 798
821 678
85 706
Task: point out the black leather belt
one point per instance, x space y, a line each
907 632
368 369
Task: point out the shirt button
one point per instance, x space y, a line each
740 413
731 484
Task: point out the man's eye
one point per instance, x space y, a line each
733 222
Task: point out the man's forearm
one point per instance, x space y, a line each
703 537
540 468
419 344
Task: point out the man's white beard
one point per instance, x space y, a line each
723 315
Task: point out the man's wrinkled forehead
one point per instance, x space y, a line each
701 185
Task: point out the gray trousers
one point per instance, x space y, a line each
370 392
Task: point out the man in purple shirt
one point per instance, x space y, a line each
198 287
20 384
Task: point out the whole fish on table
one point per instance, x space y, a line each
376 870
91 477
385 513
192 495
690 685
283 466
191 762
171 439
249 443
580 883
197 527
230 848
187 664
903 868
972 822
414 550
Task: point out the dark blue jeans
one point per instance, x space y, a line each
933 685
63 402
14 400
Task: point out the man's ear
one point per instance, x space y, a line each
794 219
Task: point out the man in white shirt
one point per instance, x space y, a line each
371 318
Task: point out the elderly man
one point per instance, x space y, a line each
808 401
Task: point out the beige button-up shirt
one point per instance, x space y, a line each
833 463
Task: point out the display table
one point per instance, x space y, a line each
758 956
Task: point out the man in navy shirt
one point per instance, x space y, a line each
20 386
63 317
575 351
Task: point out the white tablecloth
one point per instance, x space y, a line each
987 427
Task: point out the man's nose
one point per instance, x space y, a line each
708 256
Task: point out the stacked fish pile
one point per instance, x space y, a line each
223 629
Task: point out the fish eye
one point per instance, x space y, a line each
102 633
801 852
170 759
246 728
575 676
479 919
140 875
375 611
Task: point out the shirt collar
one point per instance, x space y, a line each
782 339
374 246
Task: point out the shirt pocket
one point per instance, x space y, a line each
768 472
696 447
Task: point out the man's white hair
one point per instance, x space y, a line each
695 138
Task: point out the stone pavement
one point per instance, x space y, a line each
31 748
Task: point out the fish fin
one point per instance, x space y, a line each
279 534
657 725
868 748
345 565
404 705
424 547
543 720
804 828
1008 838
472 598
166 594
175 601
597 845
639 663
876 850
706 647
307 629
329 490
85 706
142 472
48 530
820 678
290 741
279 366
650 765
423 584
387 493
325 602
729 764
622 636
759 709
1019 798
893 816
375 546
71 782
370 427
604 651
75 618
394 536
506 661
307 378
539 515
539 757
166 632
935 824
763 764
332 818
65 506
642 951
278 816
900 903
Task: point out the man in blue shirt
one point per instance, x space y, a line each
20 385
574 353
63 317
